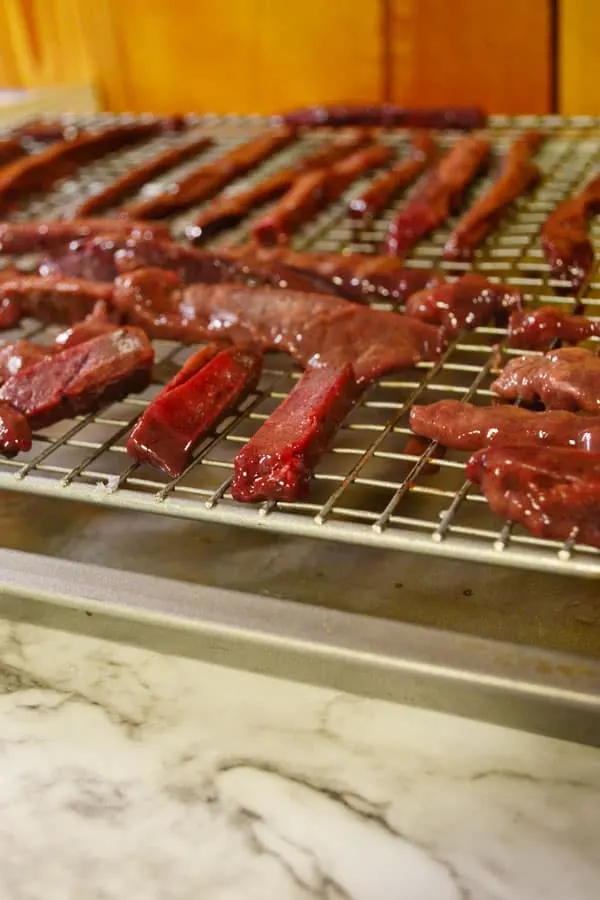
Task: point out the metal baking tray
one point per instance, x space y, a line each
518 642
368 489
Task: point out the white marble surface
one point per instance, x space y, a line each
129 774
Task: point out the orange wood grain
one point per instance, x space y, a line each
579 56
265 55
243 55
495 53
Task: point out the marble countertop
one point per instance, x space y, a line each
126 773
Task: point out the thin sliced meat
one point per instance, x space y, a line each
517 174
131 181
554 493
277 463
462 426
82 379
438 194
467 303
565 242
314 329
538 329
35 236
20 355
52 298
315 190
10 149
568 378
100 321
15 431
460 117
40 171
385 187
356 276
229 210
213 383
207 180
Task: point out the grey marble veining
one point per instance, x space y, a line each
127 773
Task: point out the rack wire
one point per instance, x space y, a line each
373 487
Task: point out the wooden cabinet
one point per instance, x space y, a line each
264 55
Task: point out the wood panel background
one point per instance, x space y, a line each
264 55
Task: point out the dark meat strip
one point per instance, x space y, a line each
34 236
10 149
517 174
553 493
100 321
207 180
357 277
129 183
538 329
438 195
51 298
462 426
278 461
386 186
39 171
315 190
565 242
568 378
313 328
225 212
467 303
463 118
82 379
47 132
189 407
15 431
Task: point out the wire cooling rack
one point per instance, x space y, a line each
373 487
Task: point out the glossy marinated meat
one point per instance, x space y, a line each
313 328
313 191
40 171
47 132
517 174
207 180
462 426
229 210
213 383
10 149
554 493
35 236
100 321
565 242
467 303
51 298
438 195
82 379
462 118
15 431
277 463
357 276
383 189
20 355
538 329
568 378
131 181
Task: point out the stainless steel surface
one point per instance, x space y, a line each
367 490
530 689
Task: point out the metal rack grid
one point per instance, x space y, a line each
370 488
